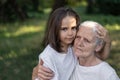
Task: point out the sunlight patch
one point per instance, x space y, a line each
113 27
12 54
115 43
24 30
1 58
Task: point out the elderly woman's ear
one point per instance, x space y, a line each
99 47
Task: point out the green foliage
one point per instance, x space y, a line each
12 10
20 44
109 6
19 49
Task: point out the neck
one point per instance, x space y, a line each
91 61
64 48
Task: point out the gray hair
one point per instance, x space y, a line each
94 25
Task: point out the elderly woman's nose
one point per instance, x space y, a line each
80 41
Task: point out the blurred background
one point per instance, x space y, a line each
22 25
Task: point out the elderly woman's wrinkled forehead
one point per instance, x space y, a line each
90 24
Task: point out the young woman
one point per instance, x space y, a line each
61 31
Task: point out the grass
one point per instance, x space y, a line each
20 44
19 49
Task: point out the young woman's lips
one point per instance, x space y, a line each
69 38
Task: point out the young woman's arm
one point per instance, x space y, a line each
103 33
41 72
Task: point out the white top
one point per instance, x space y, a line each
102 71
61 64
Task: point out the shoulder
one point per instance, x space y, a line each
47 52
107 67
107 70
110 73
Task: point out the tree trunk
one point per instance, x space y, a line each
18 10
90 6
58 4
3 17
35 5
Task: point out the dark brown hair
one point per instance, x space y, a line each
54 25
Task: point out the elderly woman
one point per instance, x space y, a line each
88 43
91 47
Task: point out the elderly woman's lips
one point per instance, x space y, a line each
79 49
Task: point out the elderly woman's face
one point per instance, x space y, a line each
85 42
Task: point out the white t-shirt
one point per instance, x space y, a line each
60 63
102 71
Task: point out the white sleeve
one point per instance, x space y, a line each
49 64
113 76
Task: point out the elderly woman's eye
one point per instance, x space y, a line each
77 37
87 40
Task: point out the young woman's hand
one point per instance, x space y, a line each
42 73
103 34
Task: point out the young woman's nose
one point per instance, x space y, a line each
70 32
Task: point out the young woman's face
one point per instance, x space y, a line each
68 30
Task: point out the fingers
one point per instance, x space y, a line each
103 33
44 73
105 36
43 77
41 62
43 69
35 72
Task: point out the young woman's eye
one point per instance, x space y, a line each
64 29
77 37
74 28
